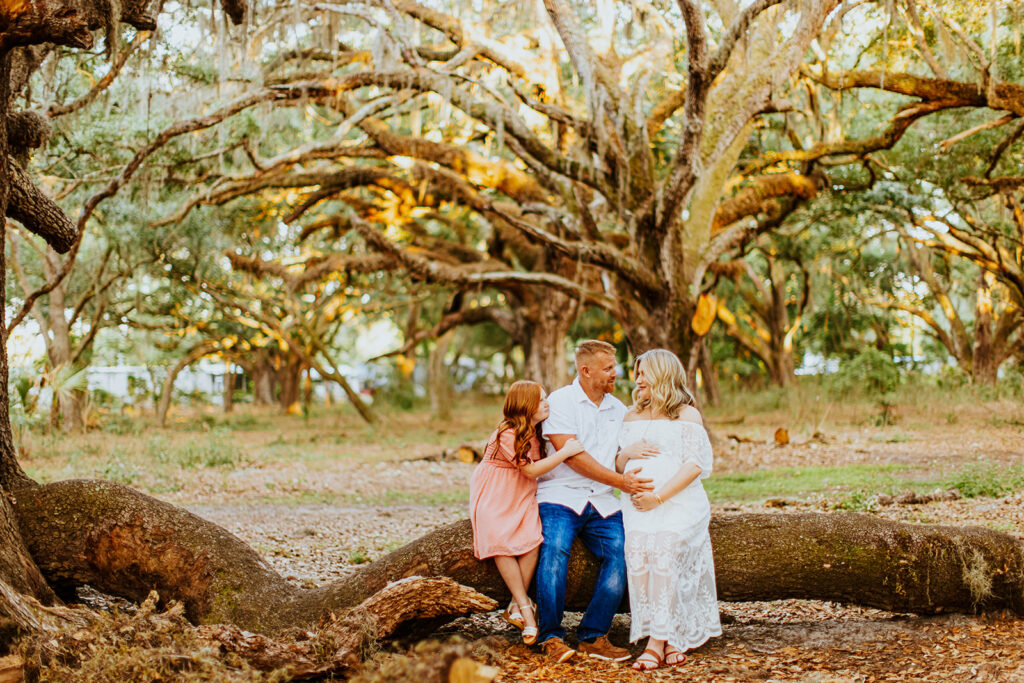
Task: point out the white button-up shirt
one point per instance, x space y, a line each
597 428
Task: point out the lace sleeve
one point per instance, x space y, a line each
698 448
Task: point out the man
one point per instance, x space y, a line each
576 499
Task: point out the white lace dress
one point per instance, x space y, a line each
670 567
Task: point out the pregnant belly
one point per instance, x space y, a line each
659 469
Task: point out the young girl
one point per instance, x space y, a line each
503 498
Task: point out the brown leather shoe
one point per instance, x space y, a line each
602 648
557 650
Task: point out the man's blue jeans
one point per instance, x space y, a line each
605 538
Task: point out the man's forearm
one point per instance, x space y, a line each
585 464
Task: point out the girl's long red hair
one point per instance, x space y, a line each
521 404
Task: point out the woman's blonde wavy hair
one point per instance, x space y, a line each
667 380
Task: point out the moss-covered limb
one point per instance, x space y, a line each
849 558
865 560
37 212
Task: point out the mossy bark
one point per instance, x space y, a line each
126 543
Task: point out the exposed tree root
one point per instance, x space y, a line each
126 543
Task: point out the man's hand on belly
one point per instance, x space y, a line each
585 464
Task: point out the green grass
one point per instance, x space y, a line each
855 487
798 481
986 479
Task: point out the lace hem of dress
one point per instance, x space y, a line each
672 593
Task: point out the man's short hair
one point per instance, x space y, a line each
590 348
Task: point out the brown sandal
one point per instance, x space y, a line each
674 652
512 615
646 657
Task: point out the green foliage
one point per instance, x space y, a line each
122 425
120 472
869 372
217 450
858 501
987 479
358 556
793 481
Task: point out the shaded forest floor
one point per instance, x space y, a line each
317 496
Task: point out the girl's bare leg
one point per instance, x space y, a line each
510 571
528 565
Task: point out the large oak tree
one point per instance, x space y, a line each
129 543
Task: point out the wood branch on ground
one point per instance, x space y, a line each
913 498
466 452
156 645
20 613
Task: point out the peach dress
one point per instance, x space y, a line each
503 501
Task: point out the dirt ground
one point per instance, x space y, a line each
789 640
318 501
792 640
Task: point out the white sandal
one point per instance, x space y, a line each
529 632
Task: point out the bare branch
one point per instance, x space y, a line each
1002 147
496 115
684 171
995 123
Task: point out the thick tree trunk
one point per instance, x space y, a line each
17 568
668 325
984 365
263 382
289 377
547 329
68 404
167 393
440 380
229 387
708 373
126 543
781 367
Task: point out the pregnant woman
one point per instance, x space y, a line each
670 568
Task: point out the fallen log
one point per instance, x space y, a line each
126 543
467 453
914 498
